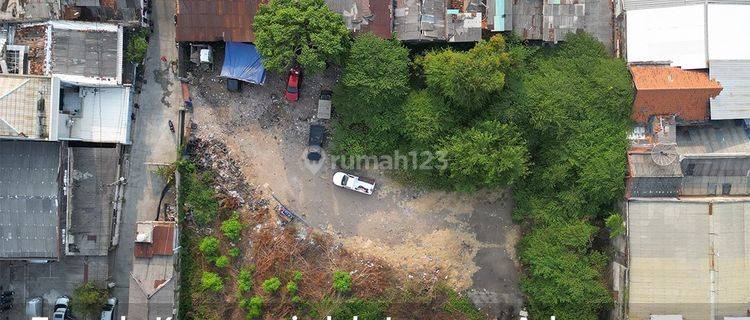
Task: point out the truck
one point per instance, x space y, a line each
355 183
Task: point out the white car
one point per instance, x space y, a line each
109 309
61 309
352 182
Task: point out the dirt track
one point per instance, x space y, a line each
468 240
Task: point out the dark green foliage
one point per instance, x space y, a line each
88 299
577 136
271 285
342 281
137 47
198 197
490 155
468 79
304 32
363 309
231 228
615 225
369 95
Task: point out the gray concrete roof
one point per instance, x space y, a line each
92 200
88 53
29 199
714 138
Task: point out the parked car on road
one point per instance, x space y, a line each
109 309
61 309
293 84
352 182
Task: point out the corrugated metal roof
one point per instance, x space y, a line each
734 101
688 258
650 4
28 199
216 20
715 138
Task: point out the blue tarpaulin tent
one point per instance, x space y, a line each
242 62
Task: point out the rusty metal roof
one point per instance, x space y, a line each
216 20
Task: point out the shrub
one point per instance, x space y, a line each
231 228
88 299
615 225
271 285
137 47
211 281
222 261
234 252
209 246
342 281
245 280
253 306
364 309
296 300
297 276
291 287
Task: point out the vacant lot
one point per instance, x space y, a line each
467 240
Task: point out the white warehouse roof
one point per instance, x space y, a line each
678 34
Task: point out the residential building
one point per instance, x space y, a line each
439 20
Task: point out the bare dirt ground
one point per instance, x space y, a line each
467 240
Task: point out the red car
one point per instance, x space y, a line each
293 84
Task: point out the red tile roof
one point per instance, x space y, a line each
382 22
216 20
161 245
665 90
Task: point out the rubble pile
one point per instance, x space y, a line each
213 155
35 38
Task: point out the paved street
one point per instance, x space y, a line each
153 143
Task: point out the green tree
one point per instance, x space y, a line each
209 246
88 299
231 228
304 32
369 95
271 285
468 79
211 281
564 278
426 118
342 281
491 155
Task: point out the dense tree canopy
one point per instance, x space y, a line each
374 81
304 32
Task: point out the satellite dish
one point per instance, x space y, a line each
664 154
